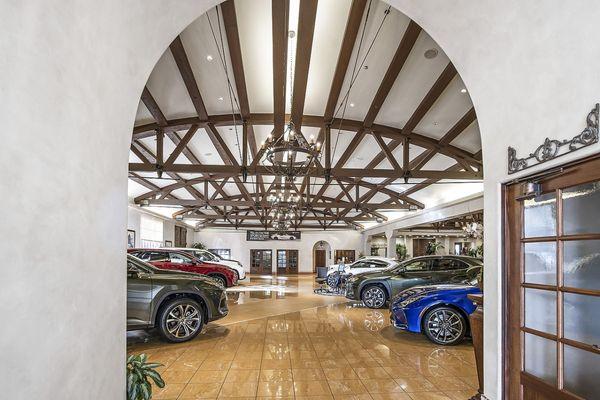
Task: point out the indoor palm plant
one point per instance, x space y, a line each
433 247
401 252
139 373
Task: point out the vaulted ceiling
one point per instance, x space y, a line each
398 126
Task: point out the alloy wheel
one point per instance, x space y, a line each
445 326
374 297
183 321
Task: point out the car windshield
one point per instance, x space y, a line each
140 264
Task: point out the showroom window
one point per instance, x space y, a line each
223 253
151 232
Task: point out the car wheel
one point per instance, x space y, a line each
180 320
219 279
374 296
445 326
333 280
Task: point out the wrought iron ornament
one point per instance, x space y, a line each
553 148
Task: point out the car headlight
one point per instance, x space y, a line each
410 300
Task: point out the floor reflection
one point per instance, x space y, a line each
300 345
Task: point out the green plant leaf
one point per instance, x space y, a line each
145 390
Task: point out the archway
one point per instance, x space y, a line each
322 256
40 95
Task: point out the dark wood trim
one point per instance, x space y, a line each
280 16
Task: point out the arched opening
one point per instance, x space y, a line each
322 256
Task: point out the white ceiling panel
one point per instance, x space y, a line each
256 42
182 194
367 81
414 81
143 116
233 139
203 148
364 153
451 106
207 62
135 189
329 32
438 194
469 139
167 88
439 162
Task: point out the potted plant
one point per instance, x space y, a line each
139 373
433 247
199 246
401 252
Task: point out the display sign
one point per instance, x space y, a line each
261 236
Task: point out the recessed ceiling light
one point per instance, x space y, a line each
291 34
209 58
208 154
220 99
358 158
351 104
463 90
430 53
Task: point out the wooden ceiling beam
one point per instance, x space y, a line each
306 29
280 16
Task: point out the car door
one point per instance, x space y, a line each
448 270
181 262
139 296
413 273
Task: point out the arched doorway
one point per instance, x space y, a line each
321 254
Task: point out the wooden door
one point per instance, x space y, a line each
287 262
320 259
180 236
420 246
347 255
261 261
552 270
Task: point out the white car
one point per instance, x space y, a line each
365 264
207 256
282 236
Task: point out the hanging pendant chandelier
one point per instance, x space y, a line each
290 155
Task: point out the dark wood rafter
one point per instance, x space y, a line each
347 207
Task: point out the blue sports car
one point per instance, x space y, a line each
440 311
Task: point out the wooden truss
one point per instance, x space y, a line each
249 208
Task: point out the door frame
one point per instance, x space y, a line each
287 261
511 384
252 250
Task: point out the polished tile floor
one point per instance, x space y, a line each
283 341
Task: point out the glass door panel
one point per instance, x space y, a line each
540 216
580 209
540 310
582 318
581 373
581 264
540 263
540 358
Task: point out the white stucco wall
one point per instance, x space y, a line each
71 74
240 248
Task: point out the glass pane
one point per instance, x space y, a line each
581 264
540 310
580 209
540 216
540 263
540 358
581 318
581 373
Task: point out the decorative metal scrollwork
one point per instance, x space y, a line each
553 148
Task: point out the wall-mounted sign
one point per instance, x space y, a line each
261 236
553 148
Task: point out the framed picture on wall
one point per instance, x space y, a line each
168 243
130 238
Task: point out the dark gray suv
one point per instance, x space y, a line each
177 303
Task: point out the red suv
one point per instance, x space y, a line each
182 261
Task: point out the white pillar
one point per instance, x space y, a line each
391 243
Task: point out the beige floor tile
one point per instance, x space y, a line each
390 396
169 392
429 396
416 384
247 389
200 391
339 387
177 376
371 373
311 388
401 371
314 363
213 365
382 386
339 373
448 383
276 364
246 364
334 363
472 381
276 375
363 396
209 376
242 375
308 374
184 365
276 389
460 395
